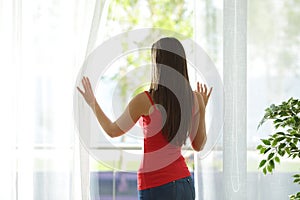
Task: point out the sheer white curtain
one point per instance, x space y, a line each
84 155
235 101
43 45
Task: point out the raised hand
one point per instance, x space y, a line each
202 89
88 93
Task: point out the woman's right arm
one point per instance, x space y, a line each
134 110
198 132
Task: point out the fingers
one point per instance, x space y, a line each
88 82
83 83
81 92
86 85
209 92
202 88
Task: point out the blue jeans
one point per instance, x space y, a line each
182 189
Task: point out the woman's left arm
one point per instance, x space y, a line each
134 110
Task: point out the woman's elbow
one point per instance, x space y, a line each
200 146
197 148
114 132
111 135
110 131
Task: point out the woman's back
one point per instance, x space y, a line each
162 161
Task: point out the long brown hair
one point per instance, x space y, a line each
171 89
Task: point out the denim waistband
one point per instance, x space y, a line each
188 179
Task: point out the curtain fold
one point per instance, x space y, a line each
84 154
235 101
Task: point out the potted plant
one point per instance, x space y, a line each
285 141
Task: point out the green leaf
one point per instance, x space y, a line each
272 164
277 126
283 113
268 149
290 130
259 147
265 171
271 156
269 168
272 107
282 145
296 176
266 142
295 140
280 139
293 145
262 150
297 180
261 123
274 143
297 135
277 159
262 163
294 156
281 153
280 133
277 121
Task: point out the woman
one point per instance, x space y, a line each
170 112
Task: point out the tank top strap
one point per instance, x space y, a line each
150 98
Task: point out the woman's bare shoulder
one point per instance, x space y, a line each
141 97
141 102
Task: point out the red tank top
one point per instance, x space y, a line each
162 162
